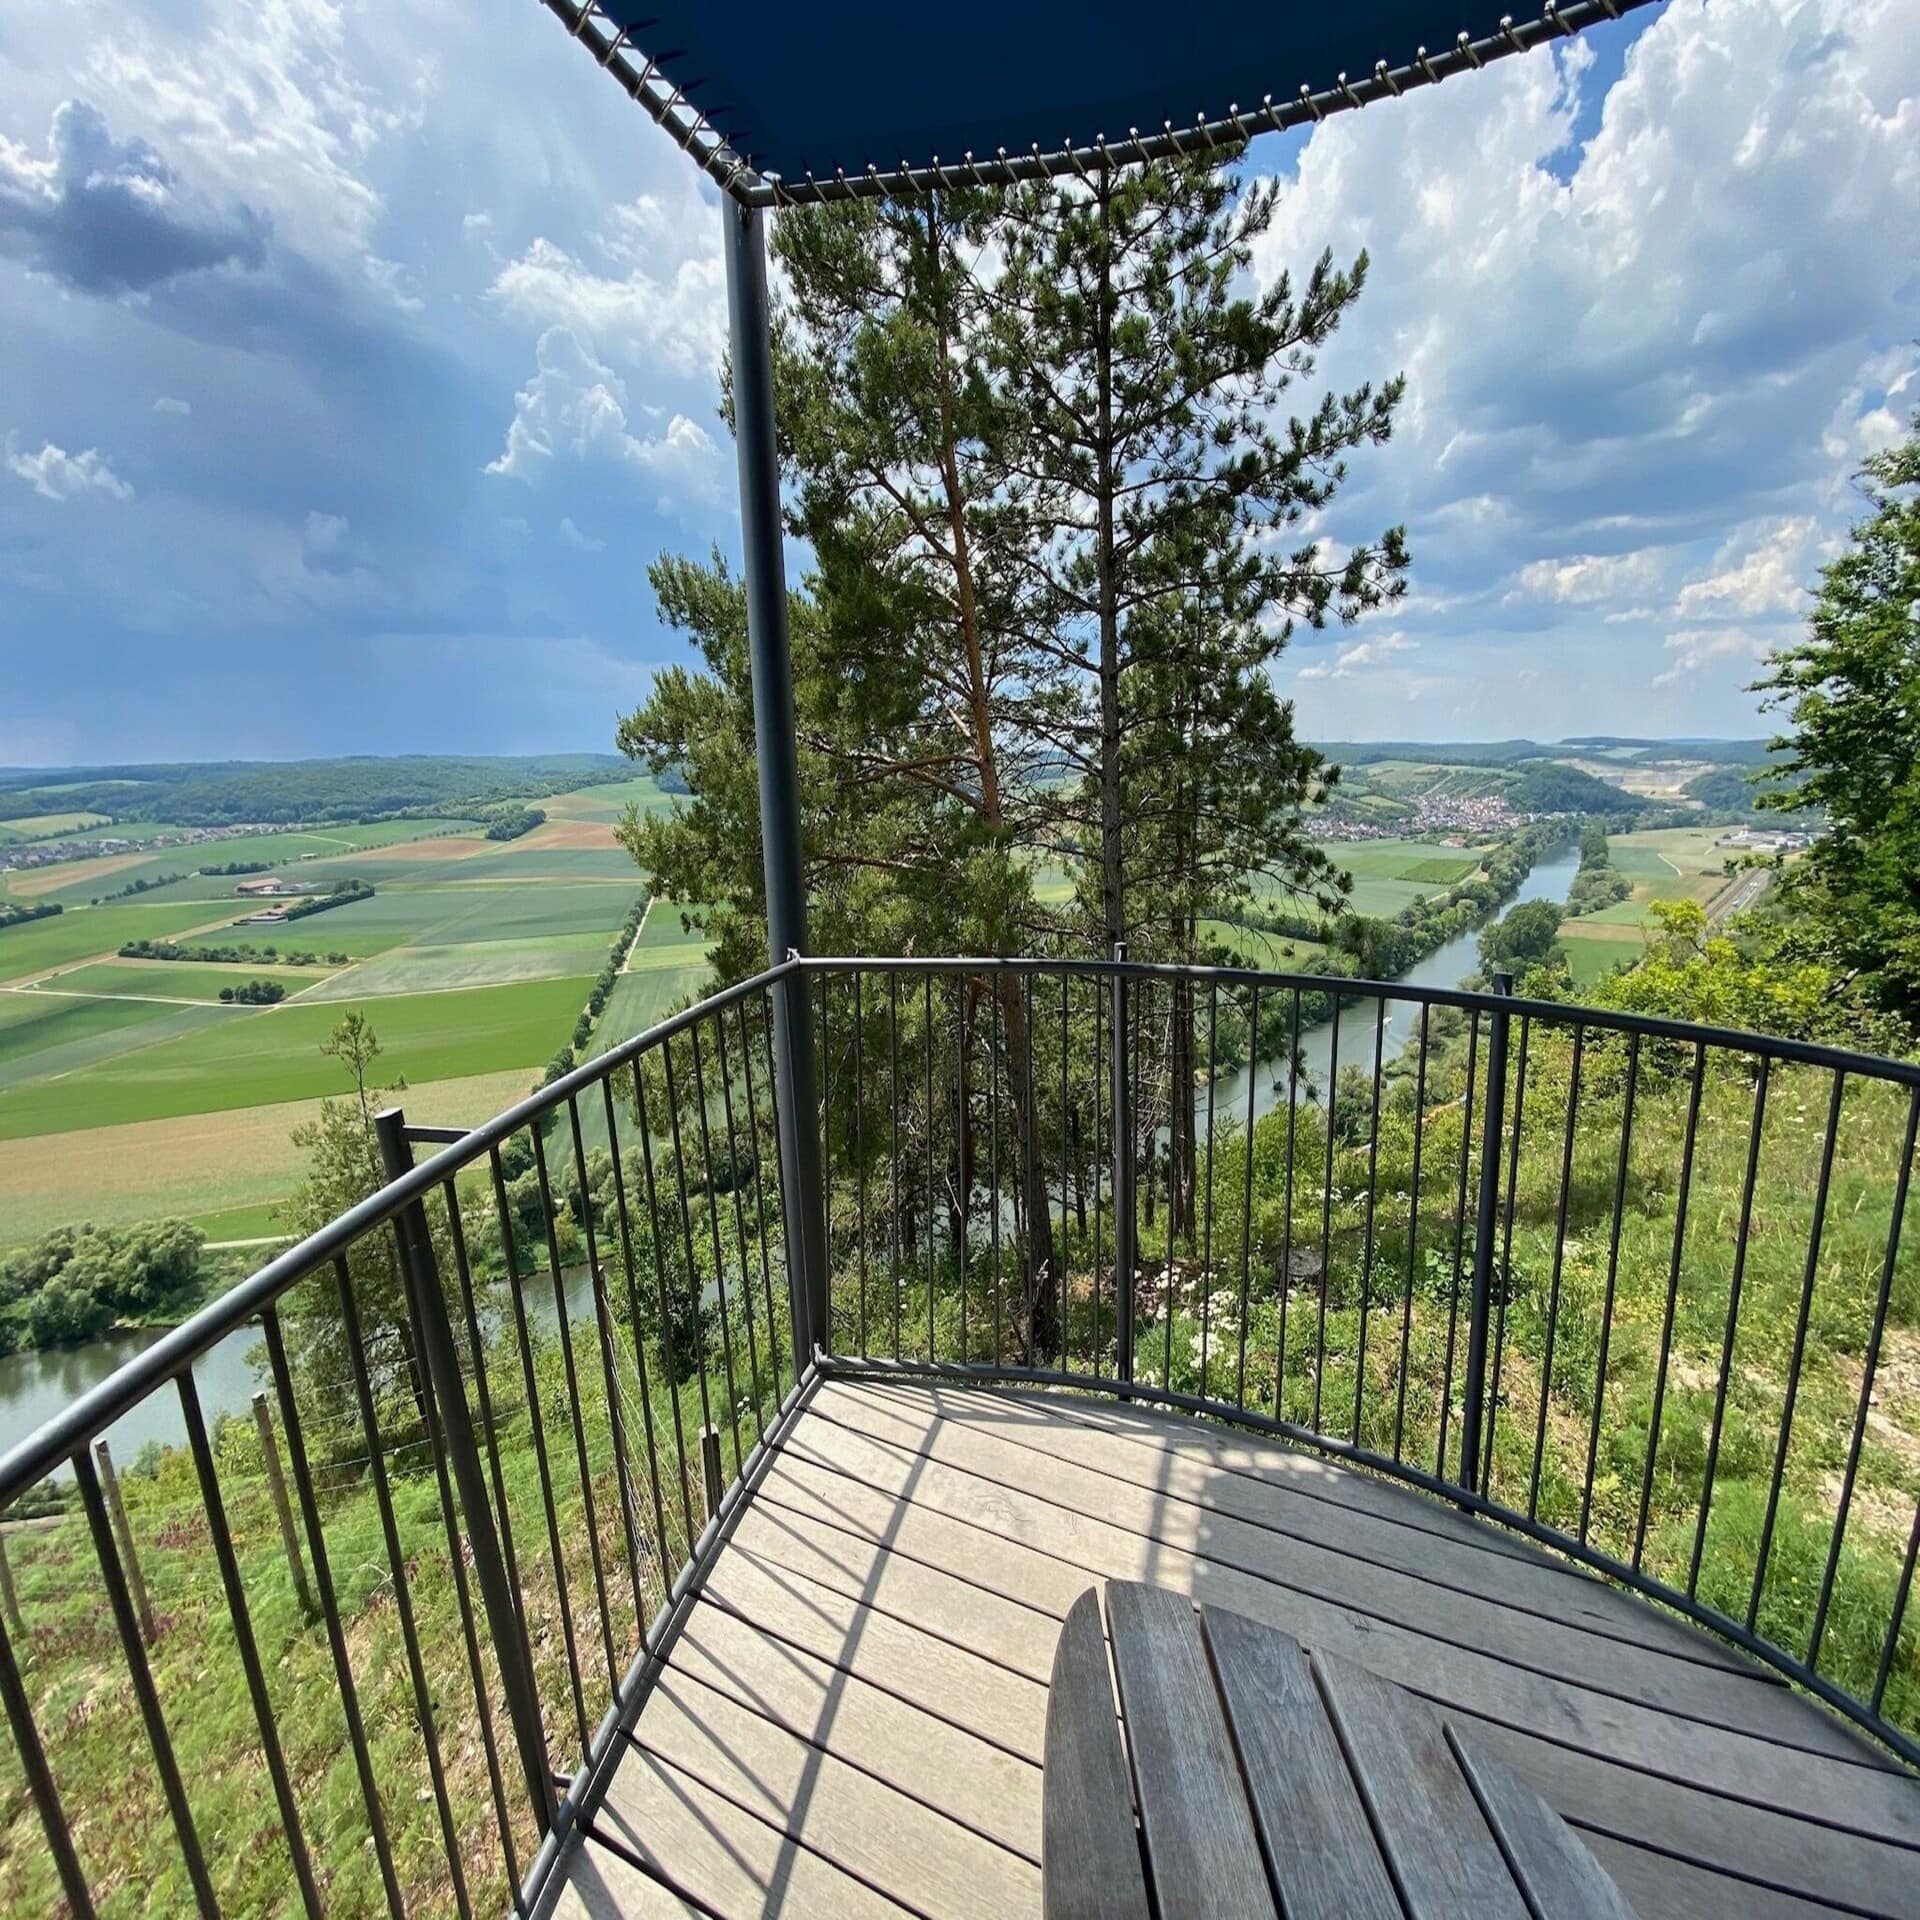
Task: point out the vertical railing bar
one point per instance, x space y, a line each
1173 1177
397 1563
993 1167
1286 1223
1326 1213
589 1506
859 1156
1066 1176
1373 1183
893 1165
1125 1221
330 1611
1613 1275
1206 1253
1672 1301
41 1784
739 1222
686 1216
713 1224
1559 1263
1814 1236
963 1167
1459 1244
1413 1237
1509 1202
667 1341
926 984
1032 1186
1868 1368
1754 1131
1246 1192
242 1619
1095 1164
826 1149
1897 1619
609 1369
470 1311
537 1426
801 1352
760 1201
141 1674
634 1328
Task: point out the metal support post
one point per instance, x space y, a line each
427 1307
122 1532
1485 1222
711 1469
750 338
277 1487
1124 1225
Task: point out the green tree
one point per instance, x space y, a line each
1522 938
1850 694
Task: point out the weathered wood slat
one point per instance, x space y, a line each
1065 1546
1674 1890
1444 1859
715 1852
1202 1851
1560 1647
896 1845
1450 1548
1091 1863
1561 1879
957 1774
1318 1841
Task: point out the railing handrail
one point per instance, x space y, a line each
1567 1013
31 1460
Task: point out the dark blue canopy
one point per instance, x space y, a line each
855 86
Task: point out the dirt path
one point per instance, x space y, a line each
633 945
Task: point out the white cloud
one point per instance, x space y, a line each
1695 648
578 541
1587 577
1761 570
1355 655
55 474
576 405
168 404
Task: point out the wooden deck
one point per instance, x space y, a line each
851 1721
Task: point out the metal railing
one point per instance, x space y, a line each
1636 1289
514 1394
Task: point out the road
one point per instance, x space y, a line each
1744 890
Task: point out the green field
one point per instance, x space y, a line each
81 933
1391 874
177 979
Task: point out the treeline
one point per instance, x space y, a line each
235 866
76 1282
512 822
343 893
16 913
238 793
1597 884
255 993
569 1056
137 886
228 956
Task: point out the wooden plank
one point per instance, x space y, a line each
896 1845
1673 1890
1412 1531
1320 1848
1561 1647
1556 1872
931 1673
1202 1851
728 1860
1443 1858
957 1774
599 1885
995 1520
1798 1856
1090 1848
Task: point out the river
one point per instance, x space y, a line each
36 1386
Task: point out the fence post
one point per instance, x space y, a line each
427 1306
1123 1220
710 1468
1485 1221
277 1486
116 1508
8 1598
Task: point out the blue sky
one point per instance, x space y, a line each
360 357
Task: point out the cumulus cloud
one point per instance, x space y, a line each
578 541
169 405
576 405
1694 649
1587 577
1764 569
107 216
55 474
1357 655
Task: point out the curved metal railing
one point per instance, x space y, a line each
1637 1289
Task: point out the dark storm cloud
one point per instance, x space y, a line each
106 216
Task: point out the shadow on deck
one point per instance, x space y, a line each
852 1720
